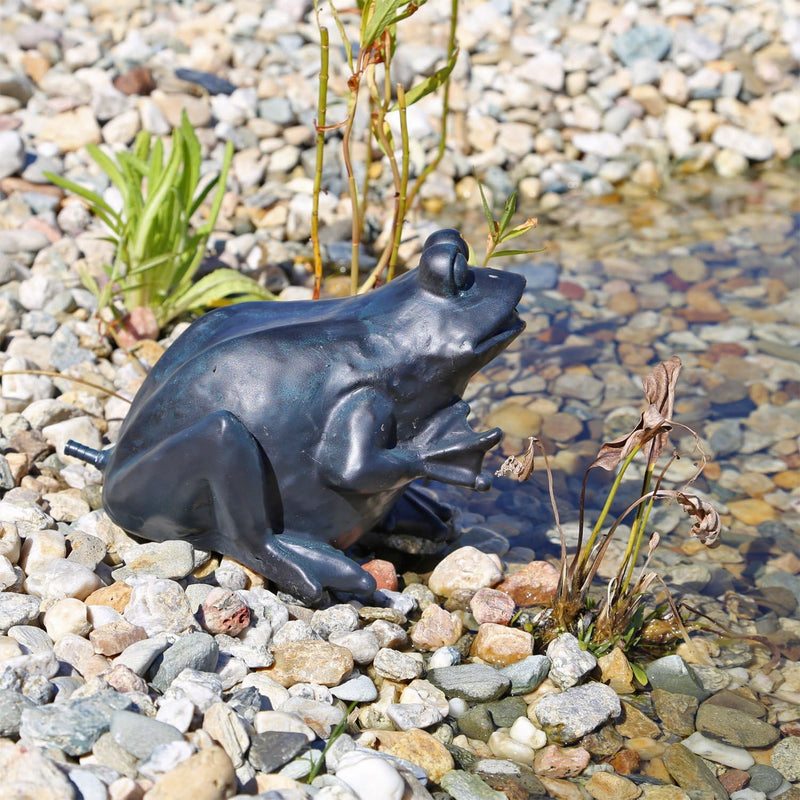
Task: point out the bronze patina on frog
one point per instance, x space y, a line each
277 432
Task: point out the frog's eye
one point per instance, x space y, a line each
443 270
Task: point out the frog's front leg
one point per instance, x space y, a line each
359 451
213 485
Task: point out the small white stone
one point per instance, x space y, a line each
503 746
176 711
718 752
370 777
40 548
525 732
8 574
61 578
458 707
66 616
10 542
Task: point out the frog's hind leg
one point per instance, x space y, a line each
213 485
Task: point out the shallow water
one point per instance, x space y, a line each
708 270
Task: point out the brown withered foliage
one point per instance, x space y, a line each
654 424
707 526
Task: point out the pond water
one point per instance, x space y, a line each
709 270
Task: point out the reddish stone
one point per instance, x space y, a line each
676 283
112 638
384 573
138 80
625 762
718 350
224 612
570 290
491 605
553 761
535 584
734 779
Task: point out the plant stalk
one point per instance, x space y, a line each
319 125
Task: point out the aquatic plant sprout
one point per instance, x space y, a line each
620 617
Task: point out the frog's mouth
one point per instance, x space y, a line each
506 329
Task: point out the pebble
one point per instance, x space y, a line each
270 750
719 752
568 662
785 757
527 674
477 683
462 785
173 560
370 777
673 675
501 645
436 628
397 666
159 606
690 772
464 568
139 735
576 711
534 584
195 651
12 153
310 662
207 775
734 727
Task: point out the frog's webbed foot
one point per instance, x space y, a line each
452 452
322 566
416 513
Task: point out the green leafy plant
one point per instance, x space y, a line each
382 96
157 248
620 617
499 232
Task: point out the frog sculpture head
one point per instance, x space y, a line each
273 431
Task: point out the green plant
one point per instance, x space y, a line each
377 42
620 617
157 249
499 232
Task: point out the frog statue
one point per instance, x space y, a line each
277 433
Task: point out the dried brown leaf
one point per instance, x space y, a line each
707 526
659 389
519 467
653 427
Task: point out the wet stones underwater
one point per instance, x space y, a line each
132 670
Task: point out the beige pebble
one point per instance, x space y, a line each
515 420
41 547
310 662
608 786
420 748
66 616
465 568
436 628
615 670
501 645
503 746
207 775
